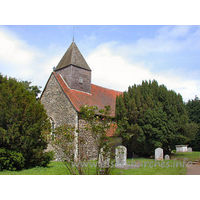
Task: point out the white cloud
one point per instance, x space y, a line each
14 51
169 39
109 63
23 61
113 71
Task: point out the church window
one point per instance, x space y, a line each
52 125
81 80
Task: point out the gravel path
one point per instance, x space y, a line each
193 170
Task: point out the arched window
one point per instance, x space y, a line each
52 125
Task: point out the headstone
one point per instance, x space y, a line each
167 157
104 159
120 156
181 148
159 154
189 149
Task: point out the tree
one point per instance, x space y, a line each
66 137
99 123
23 125
63 141
150 116
34 89
193 108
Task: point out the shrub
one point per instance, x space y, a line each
24 123
11 160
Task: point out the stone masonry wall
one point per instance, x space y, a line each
57 105
59 109
89 148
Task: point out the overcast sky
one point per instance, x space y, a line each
119 56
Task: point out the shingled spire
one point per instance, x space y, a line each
73 57
74 70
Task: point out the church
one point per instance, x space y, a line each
68 88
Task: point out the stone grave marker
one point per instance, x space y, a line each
167 157
104 159
189 149
120 156
159 154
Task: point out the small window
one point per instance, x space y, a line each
52 126
81 80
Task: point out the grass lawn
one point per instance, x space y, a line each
147 167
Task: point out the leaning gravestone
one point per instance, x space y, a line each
104 159
189 149
159 154
120 156
167 157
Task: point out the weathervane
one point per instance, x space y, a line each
73 32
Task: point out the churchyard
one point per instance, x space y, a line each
161 164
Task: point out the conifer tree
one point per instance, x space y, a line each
150 116
193 107
23 124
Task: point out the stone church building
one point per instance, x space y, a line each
68 88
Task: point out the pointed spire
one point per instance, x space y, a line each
73 57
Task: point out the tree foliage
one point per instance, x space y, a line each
150 116
98 122
33 89
23 124
193 107
64 141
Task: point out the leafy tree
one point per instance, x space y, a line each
150 116
66 137
34 89
99 123
23 124
63 141
193 107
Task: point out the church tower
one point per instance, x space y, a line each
74 70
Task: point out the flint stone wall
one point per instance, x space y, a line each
61 111
57 105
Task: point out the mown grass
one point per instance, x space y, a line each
146 167
191 156
150 167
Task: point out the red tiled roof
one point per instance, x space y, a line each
99 96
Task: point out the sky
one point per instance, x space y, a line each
119 55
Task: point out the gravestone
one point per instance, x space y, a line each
189 149
167 157
120 156
159 154
181 148
104 159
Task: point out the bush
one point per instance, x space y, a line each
24 125
11 160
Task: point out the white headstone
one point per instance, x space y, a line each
181 148
159 154
104 159
189 149
167 157
120 156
